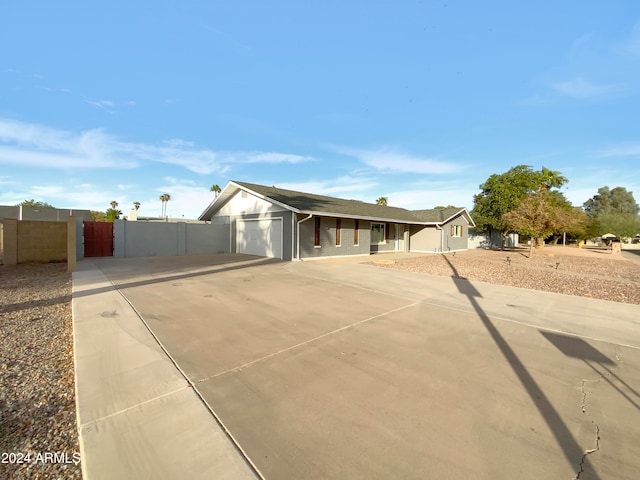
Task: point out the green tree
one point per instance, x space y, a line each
215 189
34 204
542 214
113 213
98 216
382 201
613 211
503 193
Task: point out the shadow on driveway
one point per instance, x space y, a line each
174 277
567 443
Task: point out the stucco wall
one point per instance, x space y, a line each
142 239
328 247
243 203
452 243
424 238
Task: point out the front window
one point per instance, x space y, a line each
377 233
456 230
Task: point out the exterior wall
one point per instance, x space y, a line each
250 205
42 214
142 239
9 211
328 247
451 243
287 228
25 241
9 241
425 238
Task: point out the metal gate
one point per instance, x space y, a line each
98 239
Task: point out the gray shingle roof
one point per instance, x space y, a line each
322 204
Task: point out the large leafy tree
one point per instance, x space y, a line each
542 214
35 204
503 193
613 211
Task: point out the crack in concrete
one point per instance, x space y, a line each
583 408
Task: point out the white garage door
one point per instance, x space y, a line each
261 237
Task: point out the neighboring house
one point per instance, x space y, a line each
286 224
492 239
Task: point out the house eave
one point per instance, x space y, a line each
365 217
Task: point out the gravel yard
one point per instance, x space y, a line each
568 270
37 396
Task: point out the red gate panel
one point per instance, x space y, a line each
98 239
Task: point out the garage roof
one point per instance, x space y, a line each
309 203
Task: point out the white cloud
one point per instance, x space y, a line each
390 159
271 157
346 187
581 88
28 144
107 104
426 198
631 46
626 150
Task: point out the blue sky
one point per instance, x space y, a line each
419 101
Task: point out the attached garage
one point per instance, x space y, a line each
259 236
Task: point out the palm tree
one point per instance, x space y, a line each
136 205
162 210
114 204
551 179
216 189
382 201
165 197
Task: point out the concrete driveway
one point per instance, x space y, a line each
335 369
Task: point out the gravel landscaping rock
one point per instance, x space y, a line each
571 271
38 434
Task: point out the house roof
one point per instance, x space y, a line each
309 203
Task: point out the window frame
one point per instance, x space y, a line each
381 233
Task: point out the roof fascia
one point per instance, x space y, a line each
365 217
265 197
210 209
463 211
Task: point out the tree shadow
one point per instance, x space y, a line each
575 455
578 348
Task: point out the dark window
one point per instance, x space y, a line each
386 233
317 234
356 234
338 225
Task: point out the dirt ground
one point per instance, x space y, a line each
587 272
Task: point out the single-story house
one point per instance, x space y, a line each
290 225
